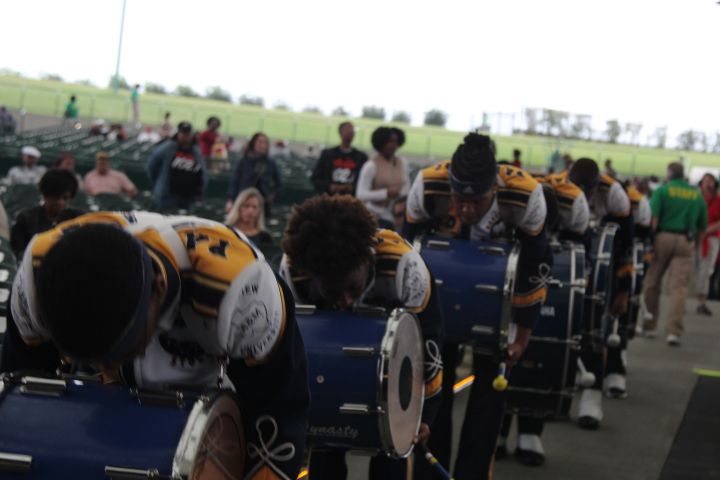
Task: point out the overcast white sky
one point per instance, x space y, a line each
648 61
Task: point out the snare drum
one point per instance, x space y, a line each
598 299
366 379
475 280
80 429
542 383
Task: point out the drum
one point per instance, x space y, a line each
598 298
78 428
365 371
475 280
542 382
640 254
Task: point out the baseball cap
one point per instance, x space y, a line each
184 127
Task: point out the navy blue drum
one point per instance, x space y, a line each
598 299
475 280
79 428
542 382
366 379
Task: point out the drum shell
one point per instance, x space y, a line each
542 382
88 427
474 288
598 298
345 370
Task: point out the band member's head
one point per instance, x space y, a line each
99 294
387 141
331 239
585 173
473 178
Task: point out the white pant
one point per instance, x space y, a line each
706 266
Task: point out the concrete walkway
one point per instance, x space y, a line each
637 433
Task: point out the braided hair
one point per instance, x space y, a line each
474 162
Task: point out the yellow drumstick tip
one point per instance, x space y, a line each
500 383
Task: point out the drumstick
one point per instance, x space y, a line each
500 383
434 463
614 339
587 379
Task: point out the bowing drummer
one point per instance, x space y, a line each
337 258
609 203
472 197
160 302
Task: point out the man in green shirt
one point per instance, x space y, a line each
71 109
679 218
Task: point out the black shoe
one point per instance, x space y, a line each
588 423
529 458
617 393
702 309
500 452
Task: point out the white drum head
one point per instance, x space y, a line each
404 385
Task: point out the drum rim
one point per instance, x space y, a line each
511 270
186 452
603 231
386 345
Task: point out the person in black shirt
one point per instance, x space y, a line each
338 168
58 187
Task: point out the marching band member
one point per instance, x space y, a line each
335 257
160 302
573 219
472 197
608 203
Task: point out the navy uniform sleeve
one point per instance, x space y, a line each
275 398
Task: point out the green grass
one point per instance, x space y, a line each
49 98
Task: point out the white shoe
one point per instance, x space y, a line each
616 385
673 340
530 443
590 412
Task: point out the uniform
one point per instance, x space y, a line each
641 213
223 302
399 278
518 209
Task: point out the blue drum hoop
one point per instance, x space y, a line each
604 258
205 408
507 289
390 444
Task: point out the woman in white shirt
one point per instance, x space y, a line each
386 176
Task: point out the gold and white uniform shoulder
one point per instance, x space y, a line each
640 207
401 272
432 180
617 202
521 200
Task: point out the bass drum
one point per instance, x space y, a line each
598 299
77 428
366 379
542 383
475 281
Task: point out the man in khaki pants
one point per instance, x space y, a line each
679 220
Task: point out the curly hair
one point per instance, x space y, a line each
330 236
382 135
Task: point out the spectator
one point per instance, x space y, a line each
177 170
29 173
710 247
66 161
58 187
609 170
679 218
338 168
148 136
247 215
103 179
385 177
117 133
7 122
166 129
516 158
98 127
399 205
255 169
135 101
71 109
209 136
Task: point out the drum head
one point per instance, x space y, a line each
212 446
404 386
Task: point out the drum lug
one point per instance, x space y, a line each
484 288
497 251
555 283
359 409
122 473
159 398
305 309
49 387
438 244
359 351
13 462
439 282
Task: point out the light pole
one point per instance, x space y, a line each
116 80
